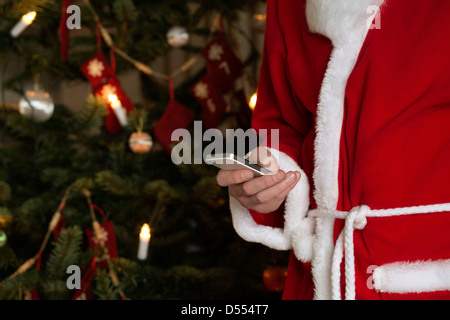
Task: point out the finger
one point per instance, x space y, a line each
227 178
279 191
259 184
264 158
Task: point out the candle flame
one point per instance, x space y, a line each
114 101
252 102
145 232
29 17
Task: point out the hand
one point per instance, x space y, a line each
263 194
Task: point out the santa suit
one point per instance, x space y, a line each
362 105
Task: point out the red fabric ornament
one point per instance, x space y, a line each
108 241
175 116
31 294
213 104
63 31
96 69
223 65
85 291
104 82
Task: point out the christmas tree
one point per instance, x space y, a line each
76 186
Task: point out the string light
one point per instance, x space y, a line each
118 110
24 22
252 102
144 240
139 65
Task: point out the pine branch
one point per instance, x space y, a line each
92 115
104 289
20 7
13 289
113 183
126 270
66 251
8 258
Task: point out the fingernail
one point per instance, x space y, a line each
291 177
247 175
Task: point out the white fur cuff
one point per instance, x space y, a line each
298 231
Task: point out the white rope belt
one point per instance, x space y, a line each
355 219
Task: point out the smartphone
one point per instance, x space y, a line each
230 161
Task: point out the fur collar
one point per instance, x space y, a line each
338 19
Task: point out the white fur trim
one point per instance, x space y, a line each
412 277
345 23
298 230
338 19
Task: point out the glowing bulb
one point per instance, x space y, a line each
252 102
145 232
144 240
23 23
115 103
118 110
29 17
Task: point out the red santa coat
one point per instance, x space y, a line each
364 113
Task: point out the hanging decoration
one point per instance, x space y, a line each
3 238
223 65
37 104
174 117
177 36
223 68
211 100
102 238
63 31
24 22
105 83
140 142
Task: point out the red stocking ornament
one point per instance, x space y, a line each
223 65
104 82
175 116
106 247
85 291
63 31
96 69
213 104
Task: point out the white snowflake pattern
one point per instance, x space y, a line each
215 52
95 68
201 90
104 236
107 90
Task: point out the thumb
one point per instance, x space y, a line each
264 158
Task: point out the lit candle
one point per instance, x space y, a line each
144 240
252 102
118 110
23 23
